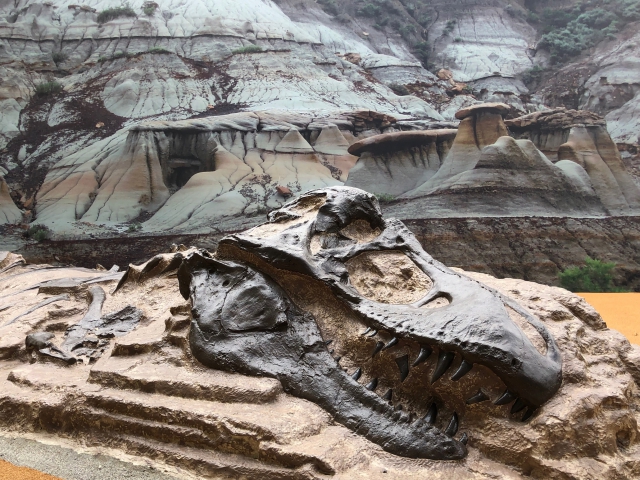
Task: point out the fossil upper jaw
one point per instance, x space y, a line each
338 269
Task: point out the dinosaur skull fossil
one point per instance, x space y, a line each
348 311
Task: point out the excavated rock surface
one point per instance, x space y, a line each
147 396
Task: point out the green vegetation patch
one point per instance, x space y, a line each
109 14
248 49
157 50
385 197
48 88
567 32
595 276
39 233
532 75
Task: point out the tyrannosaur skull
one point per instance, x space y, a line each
346 310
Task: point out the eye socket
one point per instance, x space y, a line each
253 304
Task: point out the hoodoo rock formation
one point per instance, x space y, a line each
219 173
9 213
395 163
114 358
582 138
486 172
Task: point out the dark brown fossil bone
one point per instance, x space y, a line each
272 297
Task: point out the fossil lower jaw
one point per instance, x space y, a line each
418 381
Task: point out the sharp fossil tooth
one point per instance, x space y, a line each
379 346
372 385
403 365
373 333
507 397
478 397
387 396
431 415
452 429
445 359
328 342
528 414
338 359
332 351
465 367
391 343
464 438
425 352
366 331
518 406
356 374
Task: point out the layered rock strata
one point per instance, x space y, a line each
392 164
195 173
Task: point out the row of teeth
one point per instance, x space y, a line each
445 360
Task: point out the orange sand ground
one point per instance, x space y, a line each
11 472
621 311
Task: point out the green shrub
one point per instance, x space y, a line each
629 9
595 276
407 30
48 88
39 233
422 50
532 75
119 54
533 17
134 227
109 14
149 8
384 197
448 28
59 57
457 39
247 49
567 32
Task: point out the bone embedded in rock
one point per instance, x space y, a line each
388 277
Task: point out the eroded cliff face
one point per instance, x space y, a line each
82 88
